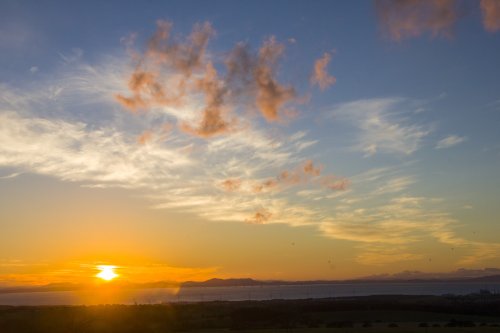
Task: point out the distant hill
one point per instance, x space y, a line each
492 278
222 283
402 278
461 273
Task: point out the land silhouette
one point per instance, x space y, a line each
471 313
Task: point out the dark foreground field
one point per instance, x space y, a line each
474 313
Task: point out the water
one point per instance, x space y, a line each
197 294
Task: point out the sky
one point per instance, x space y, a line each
292 140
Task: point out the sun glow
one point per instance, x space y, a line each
106 272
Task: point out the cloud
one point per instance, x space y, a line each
306 173
384 233
256 74
265 186
145 137
231 185
310 169
384 256
400 222
213 122
147 92
73 152
394 185
320 75
271 95
174 72
366 226
402 19
450 141
335 183
491 15
171 69
52 129
383 125
75 56
11 175
185 56
260 217
172 169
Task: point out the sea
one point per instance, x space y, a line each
241 293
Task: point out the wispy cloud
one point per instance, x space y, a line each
260 217
401 19
383 255
146 153
385 233
450 141
384 125
394 185
12 175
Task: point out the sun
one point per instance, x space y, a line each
107 272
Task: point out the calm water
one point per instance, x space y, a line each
195 294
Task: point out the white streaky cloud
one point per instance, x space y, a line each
75 55
301 145
393 185
106 157
383 124
10 176
72 151
70 127
450 141
398 223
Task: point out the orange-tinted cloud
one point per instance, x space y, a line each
320 75
491 15
310 169
214 91
292 177
166 58
265 186
172 70
335 183
260 217
231 185
271 95
402 19
145 137
306 173
159 134
147 92
184 57
302 174
254 75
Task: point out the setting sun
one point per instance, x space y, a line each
106 272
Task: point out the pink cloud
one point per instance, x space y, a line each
401 19
491 15
320 75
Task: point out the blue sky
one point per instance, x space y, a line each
393 163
